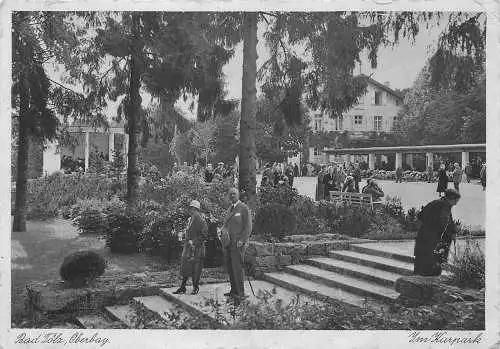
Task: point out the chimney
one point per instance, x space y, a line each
387 83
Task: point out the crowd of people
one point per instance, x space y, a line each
345 178
221 171
279 174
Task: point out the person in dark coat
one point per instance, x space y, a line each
442 180
304 170
373 189
209 174
193 251
329 181
269 173
296 170
320 186
289 174
437 231
357 176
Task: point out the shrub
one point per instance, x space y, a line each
161 235
385 227
275 221
49 195
468 266
82 267
411 221
353 221
91 221
309 220
394 208
124 233
278 195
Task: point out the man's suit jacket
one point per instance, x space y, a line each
238 223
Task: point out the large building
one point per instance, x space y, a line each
374 112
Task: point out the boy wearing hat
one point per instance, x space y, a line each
193 251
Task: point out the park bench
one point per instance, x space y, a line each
355 199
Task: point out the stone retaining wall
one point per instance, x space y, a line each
265 257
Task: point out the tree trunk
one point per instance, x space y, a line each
247 156
134 108
19 223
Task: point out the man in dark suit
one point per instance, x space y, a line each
236 232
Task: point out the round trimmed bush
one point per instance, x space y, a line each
82 267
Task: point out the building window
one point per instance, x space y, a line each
358 120
378 97
316 152
377 122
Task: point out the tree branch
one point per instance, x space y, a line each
66 88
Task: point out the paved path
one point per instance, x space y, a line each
471 210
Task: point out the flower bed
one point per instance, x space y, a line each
408 176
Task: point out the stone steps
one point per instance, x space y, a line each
363 272
367 249
319 290
383 263
350 284
98 321
123 313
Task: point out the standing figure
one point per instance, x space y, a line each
349 185
442 180
468 172
236 232
304 170
435 235
356 176
373 189
457 176
296 170
329 182
320 186
430 174
209 174
193 251
482 175
399 174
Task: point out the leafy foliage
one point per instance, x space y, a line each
278 195
468 266
161 235
47 196
442 116
124 232
275 220
82 267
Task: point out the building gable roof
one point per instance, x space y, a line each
382 86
